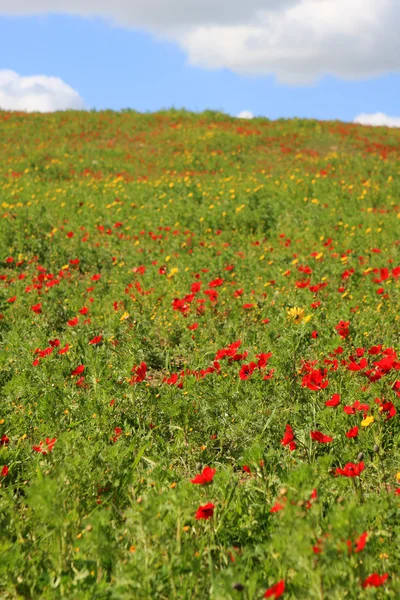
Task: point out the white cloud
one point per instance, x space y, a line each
245 114
378 120
296 40
36 93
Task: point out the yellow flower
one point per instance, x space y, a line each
296 314
367 421
126 315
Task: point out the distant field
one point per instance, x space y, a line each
181 291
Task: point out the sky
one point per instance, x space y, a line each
271 58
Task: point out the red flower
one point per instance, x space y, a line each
54 343
64 350
360 543
11 300
317 436
247 370
288 438
4 440
277 507
140 373
78 371
352 433
205 512
96 340
193 327
4 471
389 409
276 590
246 469
205 477
375 580
343 328
314 335
315 380
45 449
37 308
84 310
73 322
351 469
334 401
96 277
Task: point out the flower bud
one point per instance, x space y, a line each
376 448
238 587
360 456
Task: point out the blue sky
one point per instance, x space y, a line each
113 67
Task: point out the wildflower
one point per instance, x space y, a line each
73 322
246 469
352 433
296 315
360 542
315 379
367 421
140 373
342 328
317 436
334 401
96 340
276 590
375 580
43 448
4 440
351 469
4 471
288 438
205 477
37 308
205 512
78 370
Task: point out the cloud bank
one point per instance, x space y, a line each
298 41
378 120
245 114
37 93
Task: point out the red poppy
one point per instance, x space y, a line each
343 328
84 310
205 477
246 469
247 370
4 471
360 542
78 370
193 326
288 438
351 469
276 507
375 580
352 433
317 436
64 350
12 300
37 308
96 340
4 440
276 590
334 401
43 448
315 380
140 373
205 512
73 322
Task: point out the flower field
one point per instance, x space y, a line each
200 361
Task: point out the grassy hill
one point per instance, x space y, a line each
181 291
